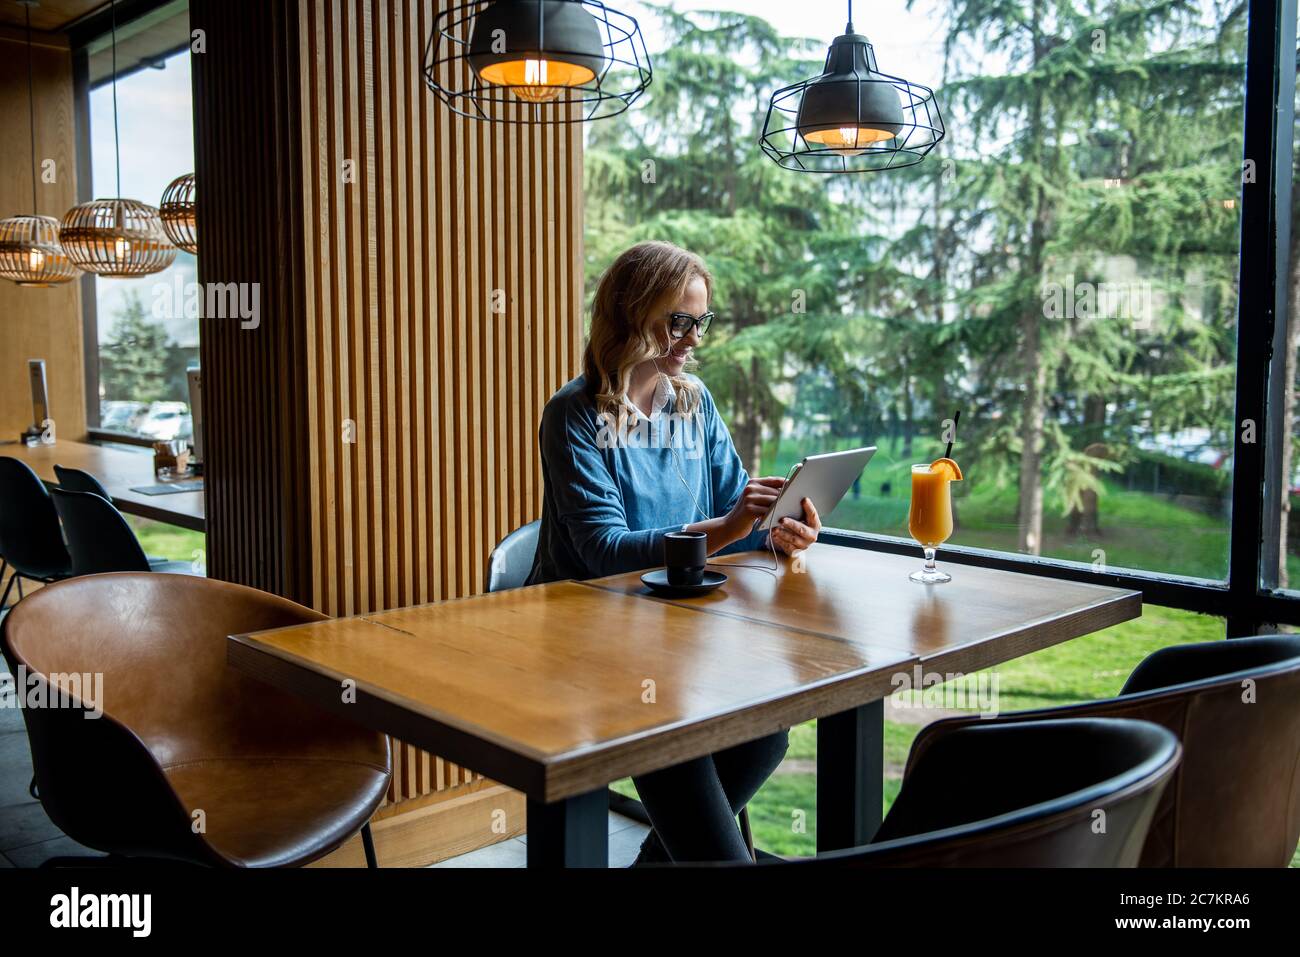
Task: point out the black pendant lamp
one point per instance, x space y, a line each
852 118
569 60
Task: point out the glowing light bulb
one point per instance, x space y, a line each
536 88
537 80
848 140
121 248
36 260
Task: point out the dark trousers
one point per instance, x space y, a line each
693 805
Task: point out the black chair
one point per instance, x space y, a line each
512 559
100 540
31 543
75 480
1069 793
1235 706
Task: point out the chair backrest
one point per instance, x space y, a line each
512 559
75 480
157 644
1075 793
30 539
99 539
1235 706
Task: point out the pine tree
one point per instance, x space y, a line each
134 359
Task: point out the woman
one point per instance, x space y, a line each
634 448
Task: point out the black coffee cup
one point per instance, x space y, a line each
684 556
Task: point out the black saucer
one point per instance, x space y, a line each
657 581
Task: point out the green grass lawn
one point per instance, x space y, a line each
169 541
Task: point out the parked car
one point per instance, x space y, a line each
118 416
165 420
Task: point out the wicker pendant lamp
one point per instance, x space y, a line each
178 213
30 254
116 237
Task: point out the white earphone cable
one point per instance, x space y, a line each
776 562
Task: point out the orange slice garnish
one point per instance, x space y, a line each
950 469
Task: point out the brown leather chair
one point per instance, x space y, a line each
279 782
1235 705
1073 793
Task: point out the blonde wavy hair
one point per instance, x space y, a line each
627 316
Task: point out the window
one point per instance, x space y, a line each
1062 270
143 338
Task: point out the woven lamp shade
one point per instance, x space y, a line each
177 211
30 253
116 237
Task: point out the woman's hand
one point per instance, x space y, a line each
755 499
793 535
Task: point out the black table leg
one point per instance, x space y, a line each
850 776
569 833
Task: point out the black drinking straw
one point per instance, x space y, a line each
947 453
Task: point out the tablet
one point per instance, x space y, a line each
822 478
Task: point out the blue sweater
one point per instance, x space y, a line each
610 496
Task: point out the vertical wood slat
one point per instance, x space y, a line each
377 299
40 323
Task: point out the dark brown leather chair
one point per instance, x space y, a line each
278 782
1235 705
1074 793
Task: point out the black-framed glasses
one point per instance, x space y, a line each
682 322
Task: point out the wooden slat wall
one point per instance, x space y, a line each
247 158
39 323
388 284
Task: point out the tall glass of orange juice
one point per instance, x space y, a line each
930 518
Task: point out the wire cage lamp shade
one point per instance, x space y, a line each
567 61
30 254
116 237
177 211
852 118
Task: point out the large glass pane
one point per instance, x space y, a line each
147 334
1062 270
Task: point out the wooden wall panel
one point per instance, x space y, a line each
401 409
39 323
248 160
413 217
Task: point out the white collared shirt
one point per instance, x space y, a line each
665 400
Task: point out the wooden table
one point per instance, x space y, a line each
118 470
560 689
